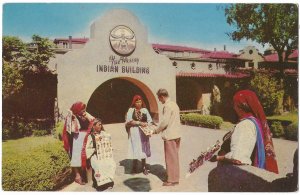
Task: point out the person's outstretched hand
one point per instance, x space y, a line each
213 158
143 124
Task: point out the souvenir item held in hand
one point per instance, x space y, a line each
104 147
102 161
149 129
207 155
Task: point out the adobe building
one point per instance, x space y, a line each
250 52
115 64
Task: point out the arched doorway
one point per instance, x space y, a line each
111 100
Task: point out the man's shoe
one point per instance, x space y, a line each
170 183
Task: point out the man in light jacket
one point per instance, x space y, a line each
169 128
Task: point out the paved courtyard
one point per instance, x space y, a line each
194 140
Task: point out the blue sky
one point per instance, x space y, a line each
193 24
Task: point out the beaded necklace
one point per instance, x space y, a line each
138 115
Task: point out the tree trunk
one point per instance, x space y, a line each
281 64
288 52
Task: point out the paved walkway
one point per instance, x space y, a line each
194 140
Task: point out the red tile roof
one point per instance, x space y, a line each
206 53
74 40
178 48
220 55
226 75
294 55
274 57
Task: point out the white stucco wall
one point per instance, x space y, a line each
77 69
251 53
200 67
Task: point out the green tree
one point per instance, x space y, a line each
269 91
13 52
28 86
38 55
274 24
21 61
13 49
12 79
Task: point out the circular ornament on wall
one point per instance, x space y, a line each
122 40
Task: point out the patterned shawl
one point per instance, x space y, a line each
246 104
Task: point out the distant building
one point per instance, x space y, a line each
64 45
251 53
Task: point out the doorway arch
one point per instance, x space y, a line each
110 100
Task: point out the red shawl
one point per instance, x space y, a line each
136 98
83 152
76 108
247 104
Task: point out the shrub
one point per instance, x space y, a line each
269 91
5 133
25 129
34 164
17 127
277 129
285 119
290 123
208 121
57 131
183 117
38 133
291 131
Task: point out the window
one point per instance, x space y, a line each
193 66
175 64
65 45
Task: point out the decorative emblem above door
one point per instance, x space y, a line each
122 40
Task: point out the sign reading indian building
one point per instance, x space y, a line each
120 64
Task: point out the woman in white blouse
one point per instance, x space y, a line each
100 152
139 145
251 141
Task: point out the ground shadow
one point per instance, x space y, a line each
127 164
105 187
138 184
157 170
